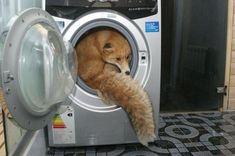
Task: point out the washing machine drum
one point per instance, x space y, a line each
134 55
97 20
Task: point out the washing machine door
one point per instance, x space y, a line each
38 69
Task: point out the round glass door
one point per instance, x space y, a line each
44 75
38 69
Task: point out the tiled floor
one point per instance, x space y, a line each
190 134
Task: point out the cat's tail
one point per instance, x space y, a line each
126 92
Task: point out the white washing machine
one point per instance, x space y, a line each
40 86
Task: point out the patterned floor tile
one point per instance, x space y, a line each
186 134
207 153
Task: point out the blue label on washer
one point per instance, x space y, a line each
151 26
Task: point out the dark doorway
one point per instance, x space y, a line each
193 54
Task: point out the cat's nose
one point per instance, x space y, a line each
127 72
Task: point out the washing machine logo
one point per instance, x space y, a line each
152 26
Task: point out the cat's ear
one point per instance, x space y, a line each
108 48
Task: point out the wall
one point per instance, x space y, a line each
229 101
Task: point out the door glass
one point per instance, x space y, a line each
193 54
44 69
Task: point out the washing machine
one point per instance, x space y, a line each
38 67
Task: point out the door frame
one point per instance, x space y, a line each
228 54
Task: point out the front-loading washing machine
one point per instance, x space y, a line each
38 78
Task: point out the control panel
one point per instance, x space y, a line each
113 3
71 9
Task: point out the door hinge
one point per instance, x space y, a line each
7 77
222 90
